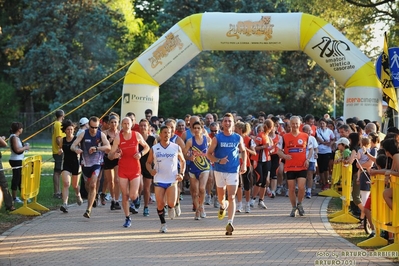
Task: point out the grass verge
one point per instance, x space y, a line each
350 232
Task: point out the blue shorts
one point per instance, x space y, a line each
312 166
91 170
164 185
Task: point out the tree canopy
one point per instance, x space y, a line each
54 50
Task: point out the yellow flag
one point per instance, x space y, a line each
386 78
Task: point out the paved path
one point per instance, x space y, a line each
263 237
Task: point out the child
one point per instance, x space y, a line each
341 154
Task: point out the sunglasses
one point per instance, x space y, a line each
214 131
93 127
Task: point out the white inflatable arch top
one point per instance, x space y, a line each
249 32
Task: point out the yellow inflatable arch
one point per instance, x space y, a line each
249 32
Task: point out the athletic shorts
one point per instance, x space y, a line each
226 179
71 167
57 162
110 164
164 185
312 166
88 172
197 174
293 175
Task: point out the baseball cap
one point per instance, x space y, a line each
83 121
343 141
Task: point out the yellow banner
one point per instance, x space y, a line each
386 78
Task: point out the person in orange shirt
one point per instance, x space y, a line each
262 163
296 163
309 120
180 127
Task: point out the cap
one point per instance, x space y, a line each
343 141
83 121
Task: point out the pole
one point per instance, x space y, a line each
335 100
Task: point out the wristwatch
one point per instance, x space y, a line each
218 160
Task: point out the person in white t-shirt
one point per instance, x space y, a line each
325 138
312 161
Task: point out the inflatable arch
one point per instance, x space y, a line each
254 31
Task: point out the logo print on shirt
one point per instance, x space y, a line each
300 142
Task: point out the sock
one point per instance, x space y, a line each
161 215
299 203
309 189
230 221
128 217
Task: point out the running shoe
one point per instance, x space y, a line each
229 228
239 207
112 205
208 199
117 206
146 211
293 212
222 212
171 213
216 202
273 195
278 190
87 214
308 194
137 203
132 208
181 196
128 222
163 229
268 192
262 205
64 208
79 200
197 215
252 203
247 208
102 199
177 209
18 200
301 211
202 212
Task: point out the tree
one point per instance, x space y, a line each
60 48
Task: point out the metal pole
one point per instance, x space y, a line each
335 100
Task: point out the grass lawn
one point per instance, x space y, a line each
45 196
349 231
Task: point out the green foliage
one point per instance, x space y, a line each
9 107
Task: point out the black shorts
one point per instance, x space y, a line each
322 162
72 167
110 164
293 175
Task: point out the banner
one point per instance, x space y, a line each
386 78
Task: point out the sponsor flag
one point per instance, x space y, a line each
386 78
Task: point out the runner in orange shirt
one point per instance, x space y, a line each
296 163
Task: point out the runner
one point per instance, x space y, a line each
70 166
244 129
91 144
162 164
126 149
225 151
199 167
296 163
111 179
147 177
